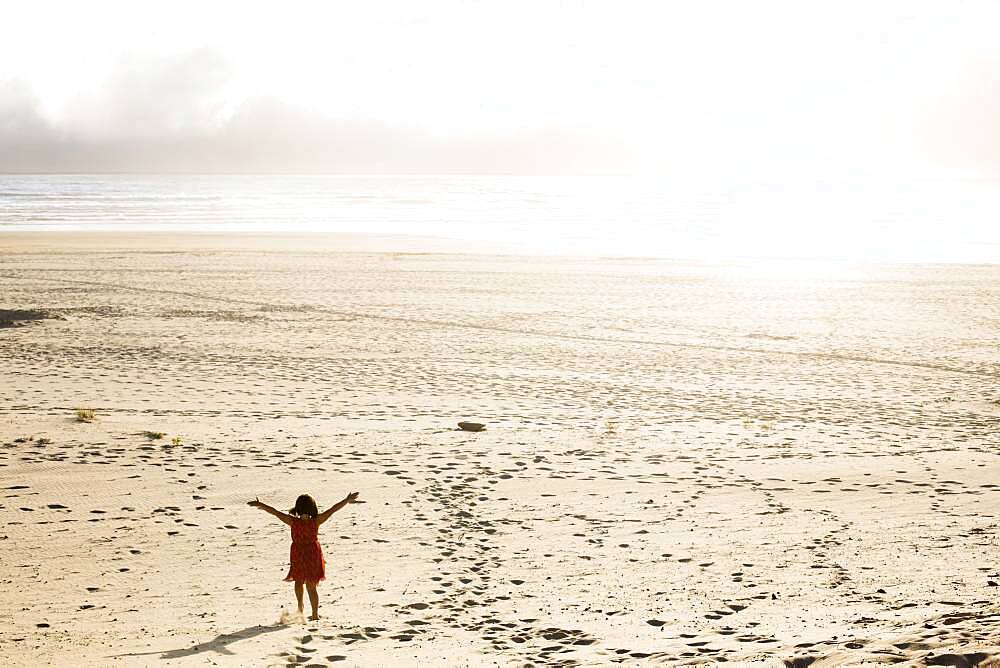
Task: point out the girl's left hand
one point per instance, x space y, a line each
255 503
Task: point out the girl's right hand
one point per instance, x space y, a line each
352 496
255 503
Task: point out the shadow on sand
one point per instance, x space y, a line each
218 644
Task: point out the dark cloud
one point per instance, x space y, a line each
172 116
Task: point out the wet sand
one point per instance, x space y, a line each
683 464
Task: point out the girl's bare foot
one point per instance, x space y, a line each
314 617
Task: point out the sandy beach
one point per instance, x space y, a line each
682 464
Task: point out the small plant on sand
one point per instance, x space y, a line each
153 435
85 415
762 424
43 441
176 440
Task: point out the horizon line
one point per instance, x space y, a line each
319 173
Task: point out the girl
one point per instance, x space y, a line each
307 564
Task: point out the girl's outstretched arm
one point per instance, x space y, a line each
284 517
325 515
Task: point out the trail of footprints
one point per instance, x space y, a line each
467 596
465 587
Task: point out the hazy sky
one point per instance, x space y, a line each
726 90
866 129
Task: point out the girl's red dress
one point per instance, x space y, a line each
306 556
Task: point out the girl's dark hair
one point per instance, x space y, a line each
305 506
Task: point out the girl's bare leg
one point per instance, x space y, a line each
313 599
298 594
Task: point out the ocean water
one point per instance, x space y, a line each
520 212
622 216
